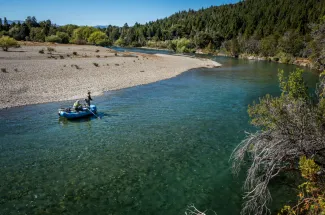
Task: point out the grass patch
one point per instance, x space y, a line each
117 64
142 71
96 64
97 56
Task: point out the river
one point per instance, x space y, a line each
156 149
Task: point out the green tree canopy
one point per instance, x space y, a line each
99 38
81 34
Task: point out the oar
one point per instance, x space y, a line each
93 113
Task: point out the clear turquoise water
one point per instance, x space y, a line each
158 147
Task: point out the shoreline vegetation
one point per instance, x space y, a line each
304 62
44 72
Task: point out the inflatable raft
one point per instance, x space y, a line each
70 113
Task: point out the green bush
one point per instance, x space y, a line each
158 44
99 38
285 58
64 37
7 42
268 46
183 46
81 34
120 42
37 35
53 39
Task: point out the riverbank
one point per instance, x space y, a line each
285 59
40 73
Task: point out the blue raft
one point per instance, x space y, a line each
72 114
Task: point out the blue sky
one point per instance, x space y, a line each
99 12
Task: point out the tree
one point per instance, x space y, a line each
268 46
1 26
37 34
81 34
46 26
63 36
7 42
24 32
5 24
202 39
317 45
14 32
31 22
99 38
291 43
292 127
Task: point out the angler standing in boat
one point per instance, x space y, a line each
88 99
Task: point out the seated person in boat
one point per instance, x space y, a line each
77 106
88 99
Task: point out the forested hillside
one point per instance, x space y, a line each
279 29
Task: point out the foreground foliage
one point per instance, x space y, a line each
312 192
293 130
7 42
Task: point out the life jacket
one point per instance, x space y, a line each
76 105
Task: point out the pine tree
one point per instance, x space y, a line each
5 24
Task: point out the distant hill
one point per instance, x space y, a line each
101 26
16 21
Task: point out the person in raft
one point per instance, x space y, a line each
88 99
77 106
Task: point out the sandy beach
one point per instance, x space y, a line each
29 76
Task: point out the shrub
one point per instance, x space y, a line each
285 58
63 36
3 70
41 51
120 42
268 46
75 53
7 42
37 35
53 39
97 56
50 49
183 46
81 34
96 64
